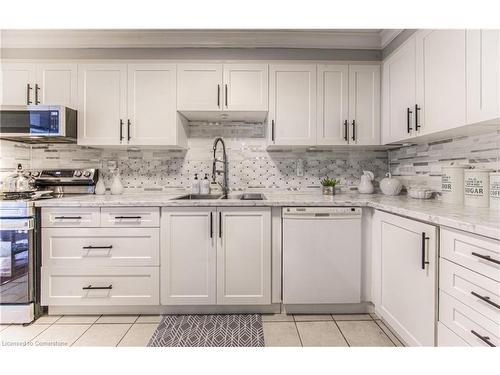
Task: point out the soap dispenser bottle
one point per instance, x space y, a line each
205 185
195 187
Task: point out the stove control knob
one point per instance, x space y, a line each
86 174
35 173
78 173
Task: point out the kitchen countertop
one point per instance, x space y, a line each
482 221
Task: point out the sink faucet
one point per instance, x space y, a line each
215 171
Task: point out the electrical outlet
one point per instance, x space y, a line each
300 167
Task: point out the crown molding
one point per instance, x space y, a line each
322 39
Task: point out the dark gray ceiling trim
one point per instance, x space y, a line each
194 53
397 41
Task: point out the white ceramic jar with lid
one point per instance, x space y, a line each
477 187
452 183
495 190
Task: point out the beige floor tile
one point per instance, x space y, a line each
60 334
320 334
123 319
138 335
342 317
103 335
18 334
312 318
277 318
388 332
281 334
78 319
149 319
47 319
366 333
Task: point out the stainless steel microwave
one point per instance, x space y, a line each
38 124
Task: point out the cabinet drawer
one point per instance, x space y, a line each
477 253
476 291
80 247
71 217
467 323
446 337
130 217
110 286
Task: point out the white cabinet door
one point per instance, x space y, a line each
398 89
102 109
333 105
364 104
152 111
57 84
441 88
244 256
407 291
483 75
245 87
188 253
199 87
292 104
17 83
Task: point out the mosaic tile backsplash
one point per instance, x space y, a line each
421 164
251 166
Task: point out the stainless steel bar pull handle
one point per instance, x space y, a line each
346 131
121 130
485 299
272 130
36 94
67 217
417 125
486 257
128 130
211 225
97 247
484 339
220 224
218 96
128 217
424 260
28 90
408 122
225 94
353 130
90 287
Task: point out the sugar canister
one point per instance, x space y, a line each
477 187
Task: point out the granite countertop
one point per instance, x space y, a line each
482 221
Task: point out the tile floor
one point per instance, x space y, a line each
133 330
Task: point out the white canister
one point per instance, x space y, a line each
495 190
477 187
452 183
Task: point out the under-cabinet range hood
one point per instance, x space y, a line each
225 116
38 123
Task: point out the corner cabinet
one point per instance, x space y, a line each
128 105
405 268
219 256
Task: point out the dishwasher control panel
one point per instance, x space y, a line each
322 211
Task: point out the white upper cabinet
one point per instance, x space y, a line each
333 105
34 84
199 87
292 104
152 111
57 84
17 82
398 94
441 88
245 87
483 75
244 256
364 104
102 109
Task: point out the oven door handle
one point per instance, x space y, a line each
18 223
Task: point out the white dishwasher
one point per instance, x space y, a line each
321 255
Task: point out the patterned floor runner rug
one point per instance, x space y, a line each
209 330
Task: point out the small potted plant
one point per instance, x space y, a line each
329 185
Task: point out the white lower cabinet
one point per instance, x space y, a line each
244 256
188 269
216 256
405 276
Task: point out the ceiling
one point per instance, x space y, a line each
262 38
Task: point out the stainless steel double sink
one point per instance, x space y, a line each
242 197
